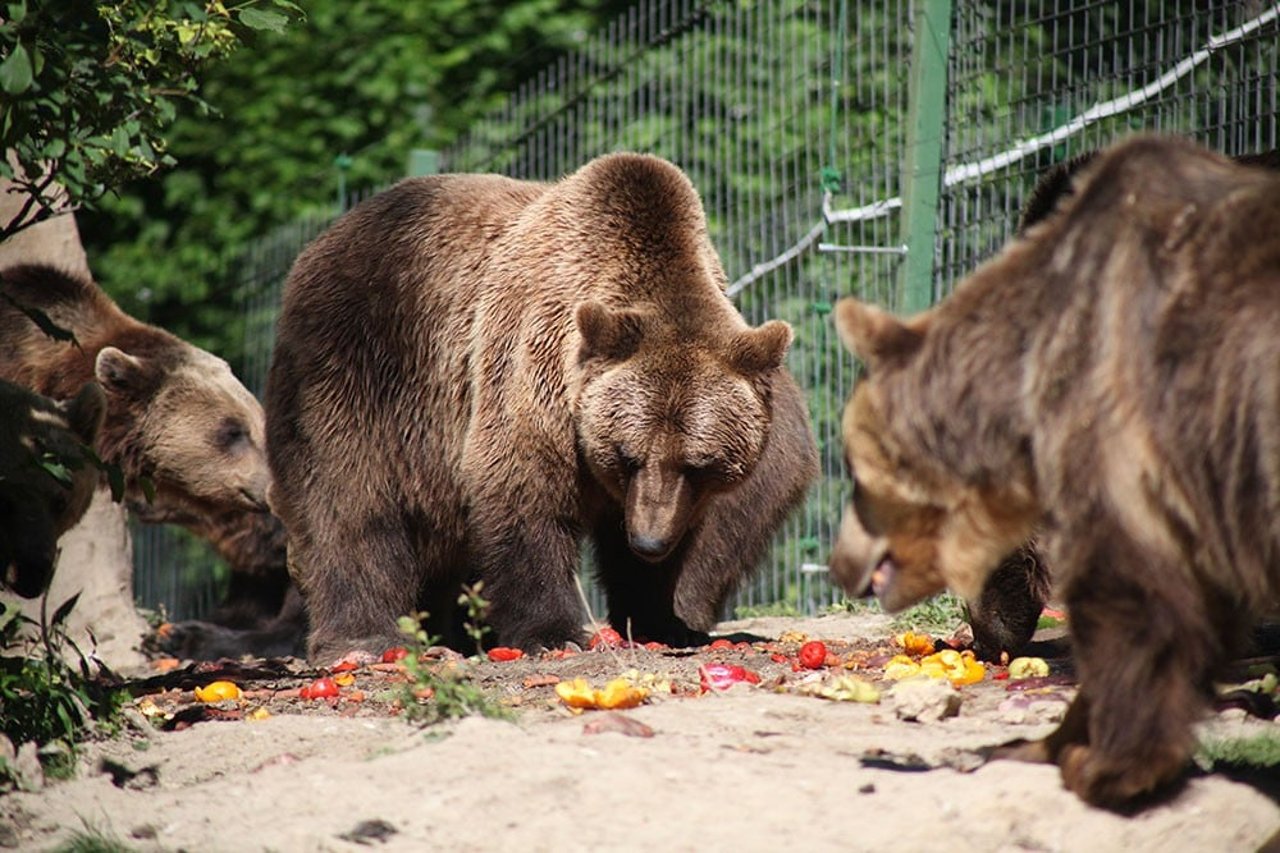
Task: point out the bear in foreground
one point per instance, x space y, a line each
176 415
46 480
1113 380
473 374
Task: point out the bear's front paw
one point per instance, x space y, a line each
1116 783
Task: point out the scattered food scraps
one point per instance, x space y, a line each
394 654
915 644
618 693
721 676
813 654
217 691
606 636
321 688
1020 668
843 688
503 653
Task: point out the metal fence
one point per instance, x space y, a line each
882 149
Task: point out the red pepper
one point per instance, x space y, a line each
721 643
813 654
502 653
345 666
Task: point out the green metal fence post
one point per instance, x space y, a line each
926 121
422 161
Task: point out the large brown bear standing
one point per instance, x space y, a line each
1114 377
474 373
176 415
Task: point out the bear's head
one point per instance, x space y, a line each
179 417
668 418
46 478
913 526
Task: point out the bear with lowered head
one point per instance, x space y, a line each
474 375
175 414
1110 380
46 480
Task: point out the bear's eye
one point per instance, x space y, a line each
231 432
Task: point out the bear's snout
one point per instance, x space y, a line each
660 502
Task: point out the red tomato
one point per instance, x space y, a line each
721 643
654 646
395 654
321 688
502 653
813 654
345 666
606 636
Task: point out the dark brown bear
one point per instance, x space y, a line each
1111 378
473 374
46 481
175 414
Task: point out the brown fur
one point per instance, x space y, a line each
46 481
1113 379
175 413
473 373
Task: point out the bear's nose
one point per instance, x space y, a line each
649 547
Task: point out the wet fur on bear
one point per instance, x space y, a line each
1113 380
475 374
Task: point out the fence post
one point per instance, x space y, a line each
922 174
422 161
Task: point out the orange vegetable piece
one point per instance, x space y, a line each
217 691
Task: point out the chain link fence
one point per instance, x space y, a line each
881 149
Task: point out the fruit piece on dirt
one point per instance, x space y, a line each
1027 667
843 688
618 693
217 691
394 654
721 676
813 654
321 688
720 643
915 644
606 636
502 654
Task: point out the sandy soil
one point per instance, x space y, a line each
754 768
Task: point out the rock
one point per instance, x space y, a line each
926 700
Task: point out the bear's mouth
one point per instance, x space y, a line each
883 576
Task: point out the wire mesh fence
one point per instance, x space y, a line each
794 119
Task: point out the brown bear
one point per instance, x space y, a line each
475 374
175 414
1112 378
46 479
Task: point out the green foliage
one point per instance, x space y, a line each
477 607
438 691
91 87
92 840
370 80
940 614
43 698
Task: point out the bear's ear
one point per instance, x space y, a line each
607 333
874 335
118 371
87 411
758 350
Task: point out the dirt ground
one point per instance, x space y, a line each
757 767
